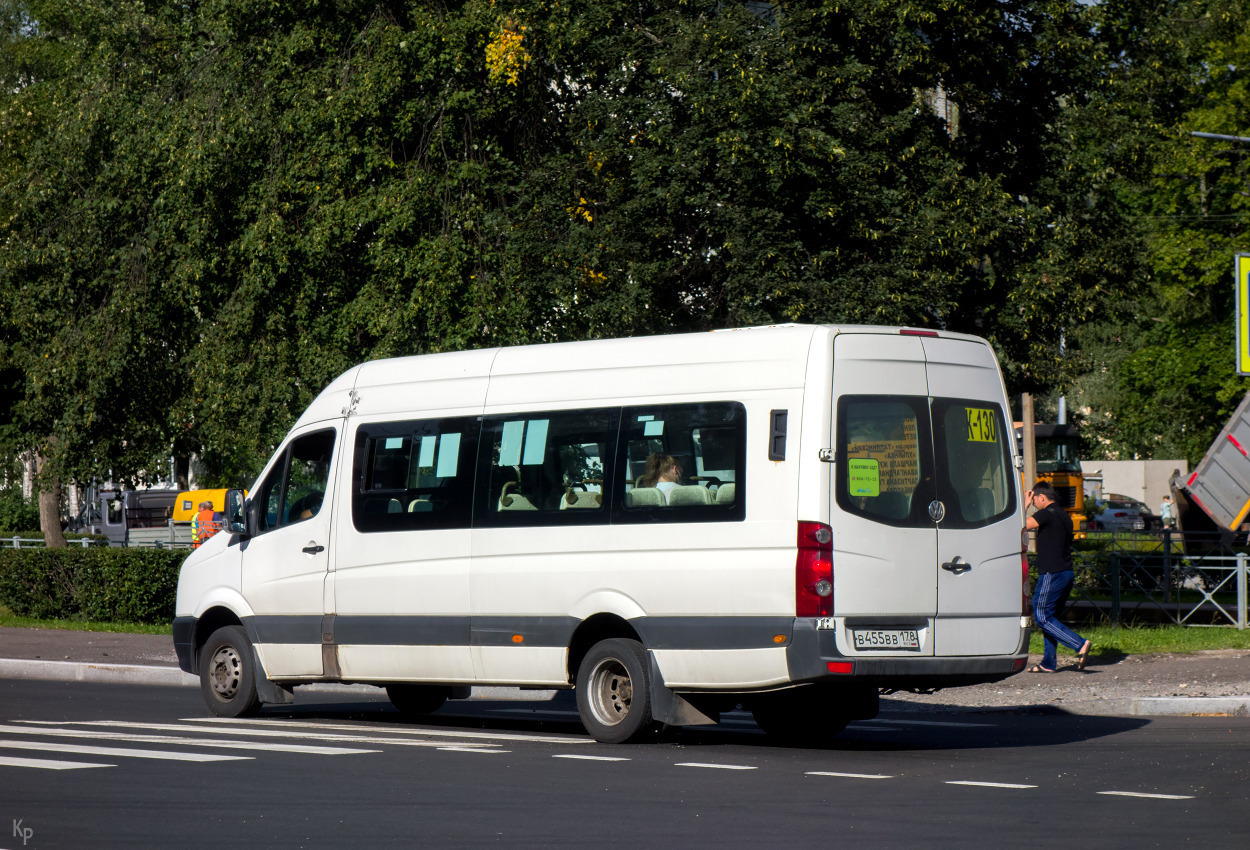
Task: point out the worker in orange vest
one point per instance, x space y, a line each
203 526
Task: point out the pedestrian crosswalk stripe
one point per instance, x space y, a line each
988 784
119 752
716 766
47 764
55 731
424 731
259 733
850 775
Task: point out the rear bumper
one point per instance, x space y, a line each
813 656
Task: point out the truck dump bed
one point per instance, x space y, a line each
1220 483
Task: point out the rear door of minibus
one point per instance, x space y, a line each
979 576
926 533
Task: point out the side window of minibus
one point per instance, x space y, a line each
297 483
414 474
546 468
684 463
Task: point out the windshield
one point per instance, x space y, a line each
1058 454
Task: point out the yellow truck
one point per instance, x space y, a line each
1058 451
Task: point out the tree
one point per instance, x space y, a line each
1162 381
232 202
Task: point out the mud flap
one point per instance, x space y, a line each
669 708
268 692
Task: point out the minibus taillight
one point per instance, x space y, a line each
813 571
1026 605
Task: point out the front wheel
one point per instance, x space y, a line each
614 691
227 675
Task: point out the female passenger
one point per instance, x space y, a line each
662 473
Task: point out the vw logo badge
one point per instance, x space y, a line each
937 511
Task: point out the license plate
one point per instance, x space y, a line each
885 639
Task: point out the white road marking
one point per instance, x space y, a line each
171 739
1147 796
849 775
989 784
715 766
47 764
425 731
262 733
589 758
471 750
120 752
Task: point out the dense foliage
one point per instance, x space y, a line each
208 210
97 584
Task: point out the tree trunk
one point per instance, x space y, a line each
49 507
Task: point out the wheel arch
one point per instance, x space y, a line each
590 631
208 622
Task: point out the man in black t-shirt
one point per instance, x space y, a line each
1054 577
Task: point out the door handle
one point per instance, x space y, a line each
312 548
955 565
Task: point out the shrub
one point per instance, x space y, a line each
99 583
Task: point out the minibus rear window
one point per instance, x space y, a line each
884 464
974 470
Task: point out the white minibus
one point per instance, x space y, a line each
790 518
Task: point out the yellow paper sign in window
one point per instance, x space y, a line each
864 476
981 425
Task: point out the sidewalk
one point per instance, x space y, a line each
1205 683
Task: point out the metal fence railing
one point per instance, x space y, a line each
16 542
1162 576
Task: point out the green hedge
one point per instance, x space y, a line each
99 583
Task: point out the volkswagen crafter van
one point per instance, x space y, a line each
788 518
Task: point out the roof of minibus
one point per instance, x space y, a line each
595 371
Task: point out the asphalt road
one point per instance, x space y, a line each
525 775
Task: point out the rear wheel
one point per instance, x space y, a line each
614 691
417 699
227 674
811 715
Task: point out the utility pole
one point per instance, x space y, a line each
1029 449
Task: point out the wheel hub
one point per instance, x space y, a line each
225 672
612 692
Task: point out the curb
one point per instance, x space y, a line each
81 671
1165 707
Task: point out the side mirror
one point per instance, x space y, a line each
236 517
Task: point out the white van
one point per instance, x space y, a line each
840 515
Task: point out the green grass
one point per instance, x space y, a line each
8 618
1143 640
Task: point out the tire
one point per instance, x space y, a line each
228 673
808 716
614 692
417 699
